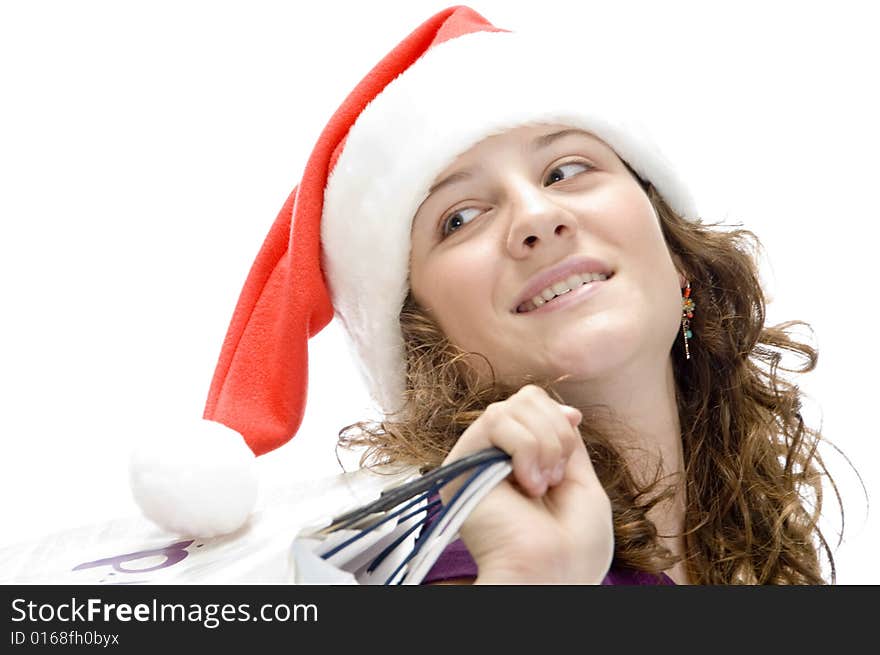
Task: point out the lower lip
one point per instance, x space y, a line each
569 299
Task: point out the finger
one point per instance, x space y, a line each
572 415
548 451
547 420
541 414
497 427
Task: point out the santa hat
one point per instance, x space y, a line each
341 243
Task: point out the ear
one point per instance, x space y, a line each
679 268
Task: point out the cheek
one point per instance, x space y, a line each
637 234
645 256
457 288
637 226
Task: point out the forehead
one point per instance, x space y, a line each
531 138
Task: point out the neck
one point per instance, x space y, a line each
644 398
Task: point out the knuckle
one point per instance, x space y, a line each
493 412
532 391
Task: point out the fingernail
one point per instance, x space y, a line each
542 486
558 473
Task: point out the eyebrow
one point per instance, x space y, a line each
538 143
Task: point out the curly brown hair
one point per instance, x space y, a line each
753 472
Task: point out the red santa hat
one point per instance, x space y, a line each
341 243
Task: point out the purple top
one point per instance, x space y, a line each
456 562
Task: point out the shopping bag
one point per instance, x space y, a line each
132 550
287 540
397 538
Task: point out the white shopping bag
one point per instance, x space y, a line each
293 538
134 551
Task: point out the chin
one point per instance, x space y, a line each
599 342
593 367
584 363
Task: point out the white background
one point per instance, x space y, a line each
145 149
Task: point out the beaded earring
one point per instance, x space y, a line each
687 313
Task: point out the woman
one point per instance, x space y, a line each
623 342
466 178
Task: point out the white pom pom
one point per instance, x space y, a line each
198 482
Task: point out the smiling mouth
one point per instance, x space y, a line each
560 291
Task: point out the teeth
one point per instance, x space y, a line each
561 288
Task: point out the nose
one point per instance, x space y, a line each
536 218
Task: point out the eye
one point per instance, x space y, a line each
447 223
554 177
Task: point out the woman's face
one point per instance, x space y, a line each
519 205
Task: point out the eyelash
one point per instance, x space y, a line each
445 221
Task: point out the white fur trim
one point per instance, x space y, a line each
198 482
458 93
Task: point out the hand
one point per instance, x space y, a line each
550 521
